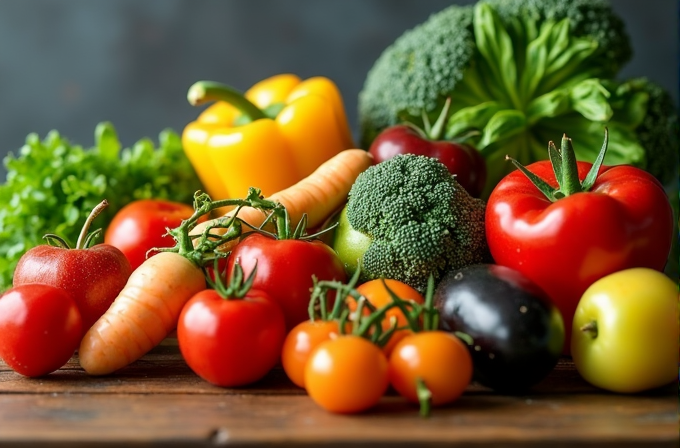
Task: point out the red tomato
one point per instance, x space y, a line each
438 359
142 225
285 268
299 344
92 277
347 374
40 327
624 221
231 342
377 295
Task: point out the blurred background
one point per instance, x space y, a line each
69 64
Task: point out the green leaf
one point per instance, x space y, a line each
106 140
591 99
495 46
471 118
535 63
551 104
502 125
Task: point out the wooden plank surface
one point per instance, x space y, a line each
159 401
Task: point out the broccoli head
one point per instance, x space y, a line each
519 73
417 219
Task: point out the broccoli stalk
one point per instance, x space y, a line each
407 218
519 73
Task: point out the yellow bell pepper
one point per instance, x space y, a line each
276 134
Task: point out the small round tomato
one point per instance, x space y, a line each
142 225
285 270
231 341
376 293
347 374
299 344
438 359
625 331
40 326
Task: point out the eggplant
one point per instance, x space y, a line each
516 333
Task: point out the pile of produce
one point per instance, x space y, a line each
461 244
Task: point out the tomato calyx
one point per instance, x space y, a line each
237 287
566 171
85 239
367 326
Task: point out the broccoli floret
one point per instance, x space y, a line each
419 219
512 68
417 70
659 132
592 18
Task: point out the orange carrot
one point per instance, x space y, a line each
317 195
148 307
143 314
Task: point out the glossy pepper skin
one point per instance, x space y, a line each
300 125
622 221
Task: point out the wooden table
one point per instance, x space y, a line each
158 401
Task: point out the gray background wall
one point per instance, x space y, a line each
69 64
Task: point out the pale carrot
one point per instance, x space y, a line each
143 314
317 195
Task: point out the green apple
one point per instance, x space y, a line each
625 333
349 244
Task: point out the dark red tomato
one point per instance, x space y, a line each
231 342
93 277
461 159
40 327
285 269
142 225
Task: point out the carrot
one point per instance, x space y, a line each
317 195
143 314
148 307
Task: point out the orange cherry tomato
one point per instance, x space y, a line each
347 374
377 295
299 344
438 359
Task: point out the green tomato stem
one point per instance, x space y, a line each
424 397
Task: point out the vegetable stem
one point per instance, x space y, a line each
82 238
204 91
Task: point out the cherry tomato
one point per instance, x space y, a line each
376 293
285 268
438 359
347 374
41 328
299 344
233 341
142 225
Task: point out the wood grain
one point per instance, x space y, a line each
158 401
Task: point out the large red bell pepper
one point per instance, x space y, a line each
565 224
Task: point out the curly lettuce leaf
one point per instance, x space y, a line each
52 185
